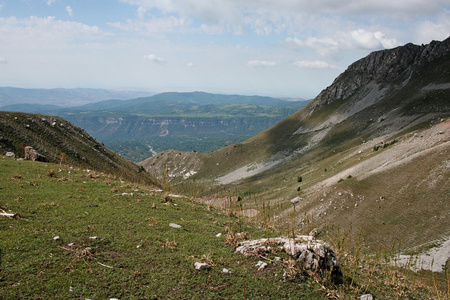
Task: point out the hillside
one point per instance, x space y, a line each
58 141
88 235
325 153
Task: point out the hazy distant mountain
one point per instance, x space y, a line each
63 97
137 128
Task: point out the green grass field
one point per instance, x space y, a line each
135 254
114 243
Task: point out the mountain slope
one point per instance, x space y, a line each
388 98
59 141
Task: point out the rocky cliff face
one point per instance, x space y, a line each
381 67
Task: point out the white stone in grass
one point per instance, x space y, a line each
173 225
226 271
56 238
201 266
219 234
261 265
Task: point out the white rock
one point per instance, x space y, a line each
261 265
296 200
56 238
173 225
366 297
10 154
201 266
226 271
219 234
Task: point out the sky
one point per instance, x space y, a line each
282 48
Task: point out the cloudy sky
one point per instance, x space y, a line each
292 48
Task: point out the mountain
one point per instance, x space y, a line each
369 153
138 128
11 96
58 141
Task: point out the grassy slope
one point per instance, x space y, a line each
148 258
137 255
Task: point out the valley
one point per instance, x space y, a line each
365 166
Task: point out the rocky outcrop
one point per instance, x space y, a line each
311 254
381 68
31 154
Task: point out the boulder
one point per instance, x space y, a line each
32 154
313 255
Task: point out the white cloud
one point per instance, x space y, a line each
50 2
272 16
69 11
325 46
362 39
141 11
342 41
3 61
261 63
314 64
154 26
154 58
46 33
438 29
190 65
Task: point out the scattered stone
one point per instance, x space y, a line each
56 238
296 200
201 266
70 288
10 154
94 238
261 265
173 225
226 271
219 234
277 259
366 297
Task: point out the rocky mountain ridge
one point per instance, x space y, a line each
381 67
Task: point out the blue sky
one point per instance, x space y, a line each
289 48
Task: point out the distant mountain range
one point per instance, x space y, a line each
196 121
60 97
